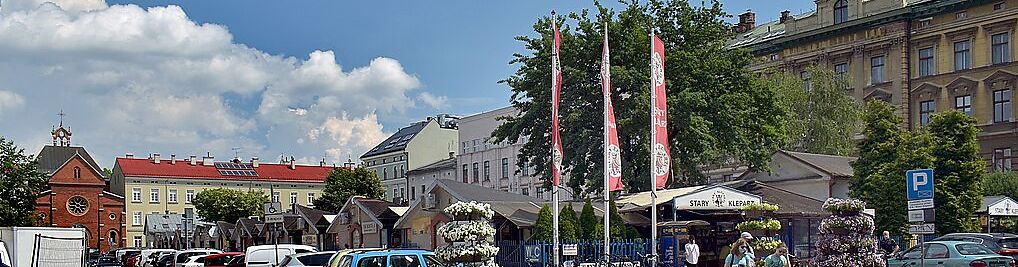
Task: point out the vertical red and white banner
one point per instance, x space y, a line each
556 89
612 153
660 156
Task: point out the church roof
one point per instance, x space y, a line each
52 157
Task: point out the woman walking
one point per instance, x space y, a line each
740 255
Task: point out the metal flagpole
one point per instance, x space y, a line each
555 186
653 163
607 189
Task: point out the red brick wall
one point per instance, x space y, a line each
96 219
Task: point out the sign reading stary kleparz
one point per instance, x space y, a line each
715 198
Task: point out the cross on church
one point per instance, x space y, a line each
61 114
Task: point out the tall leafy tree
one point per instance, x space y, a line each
543 227
1001 184
20 185
717 107
822 116
224 204
958 171
588 222
341 184
568 224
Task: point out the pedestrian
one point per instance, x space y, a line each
779 258
746 236
740 255
692 252
887 245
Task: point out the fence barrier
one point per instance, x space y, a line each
539 253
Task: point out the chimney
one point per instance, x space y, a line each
785 16
129 155
207 159
747 21
193 160
173 158
321 163
292 166
254 162
155 158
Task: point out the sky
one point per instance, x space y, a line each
308 79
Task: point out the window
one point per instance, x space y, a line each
422 191
135 194
807 83
188 196
925 109
1002 106
962 55
293 198
999 6
311 198
525 192
526 169
433 261
465 173
1001 48
840 11
963 104
477 173
377 261
1002 159
172 196
475 145
973 249
394 192
464 147
137 241
876 69
937 251
404 261
385 173
927 65
540 193
842 70
136 219
275 197
77 172
923 23
505 168
487 171
154 196
961 15
413 193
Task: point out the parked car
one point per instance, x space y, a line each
334 260
313 259
1002 243
195 261
224 259
389 257
165 260
271 255
134 260
180 257
106 261
149 256
951 254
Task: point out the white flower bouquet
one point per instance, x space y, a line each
470 209
466 231
469 252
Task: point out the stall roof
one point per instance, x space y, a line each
788 201
684 223
641 200
988 201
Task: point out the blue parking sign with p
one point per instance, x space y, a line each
920 184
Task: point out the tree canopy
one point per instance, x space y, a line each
715 105
568 224
20 185
957 170
341 184
224 204
588 221
543 227
822 115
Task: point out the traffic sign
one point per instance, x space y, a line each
919 189
921 229
923 215
275 218
273 207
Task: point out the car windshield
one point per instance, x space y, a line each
973 249
433 261
315 259
1009 243
185 255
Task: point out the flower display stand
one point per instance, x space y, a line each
846 237
469 236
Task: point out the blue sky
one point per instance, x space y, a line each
459 49
309 79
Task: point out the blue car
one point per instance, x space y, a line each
950 254
389 258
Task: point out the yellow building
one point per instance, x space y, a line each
921 56
166 186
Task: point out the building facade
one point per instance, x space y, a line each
411 147
920 56
421 178
167 186
77 196
483 162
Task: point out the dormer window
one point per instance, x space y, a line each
840 11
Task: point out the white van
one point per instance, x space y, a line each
271 255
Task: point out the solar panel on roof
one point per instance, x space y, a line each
233 166
238 173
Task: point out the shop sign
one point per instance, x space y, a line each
369 228
309 240
1003 207
570 250
715 198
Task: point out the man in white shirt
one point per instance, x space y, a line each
692 253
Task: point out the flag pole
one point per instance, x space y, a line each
607 188
555 186
653 163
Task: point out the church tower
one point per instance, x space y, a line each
61 135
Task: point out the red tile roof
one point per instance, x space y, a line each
140 167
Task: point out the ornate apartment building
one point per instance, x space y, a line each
921 56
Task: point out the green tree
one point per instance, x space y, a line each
958 171
341 184
716 106
20 185
877 149
822 115
1001 184
588 222
224 204
569 225
543 227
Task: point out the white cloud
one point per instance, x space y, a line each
436 102
152 80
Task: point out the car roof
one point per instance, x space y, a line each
951 243
386 252
315 253
983 235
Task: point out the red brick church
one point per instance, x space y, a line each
77 195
